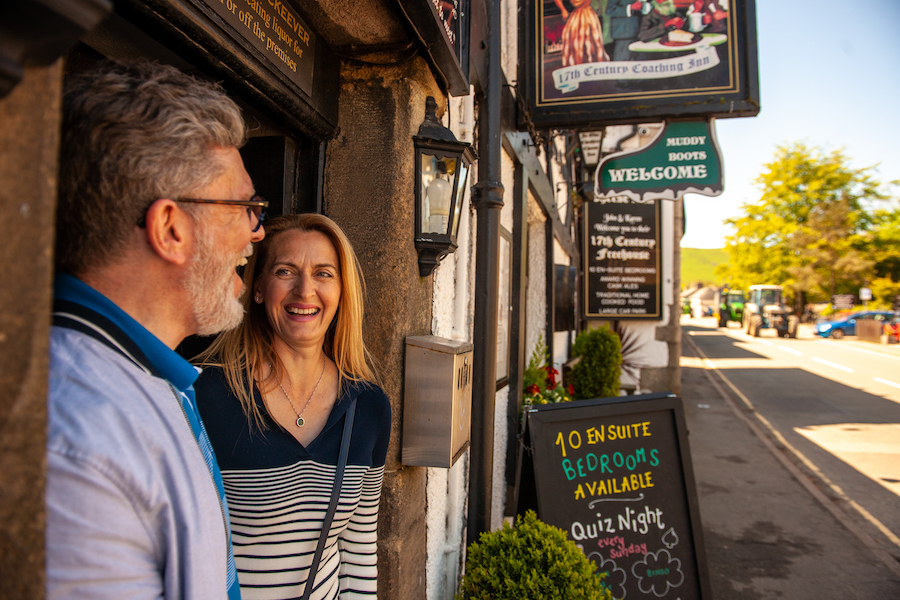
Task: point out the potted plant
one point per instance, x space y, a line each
598 369
529 561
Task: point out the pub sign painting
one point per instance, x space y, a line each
617 61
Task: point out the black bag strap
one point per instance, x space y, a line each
335 496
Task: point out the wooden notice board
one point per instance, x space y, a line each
615 474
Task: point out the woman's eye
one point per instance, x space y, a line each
282 272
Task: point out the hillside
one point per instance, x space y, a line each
698 264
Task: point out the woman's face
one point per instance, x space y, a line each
300 287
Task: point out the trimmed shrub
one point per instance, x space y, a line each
597 373
529 561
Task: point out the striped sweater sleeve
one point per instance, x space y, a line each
357 544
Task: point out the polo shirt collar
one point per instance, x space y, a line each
154 355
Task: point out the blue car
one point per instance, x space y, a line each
847 325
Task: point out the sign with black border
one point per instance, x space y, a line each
616 475
277 31
444 27
586 64
622 259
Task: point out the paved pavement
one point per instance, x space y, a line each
770 531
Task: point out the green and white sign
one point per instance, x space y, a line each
683 158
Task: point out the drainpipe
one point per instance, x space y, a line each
488 200
634 130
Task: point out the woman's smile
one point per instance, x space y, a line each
301 287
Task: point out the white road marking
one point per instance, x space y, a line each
886 382
766 342
790 350
853 347
831 364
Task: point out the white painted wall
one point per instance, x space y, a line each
652 353
535 288
446 490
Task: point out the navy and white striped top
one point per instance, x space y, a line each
278 492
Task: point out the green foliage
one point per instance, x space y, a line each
530 561
597 373
540 382
698 265
884 290
816 228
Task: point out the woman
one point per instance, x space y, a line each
275 398
582 36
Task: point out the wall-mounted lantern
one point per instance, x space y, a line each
442 167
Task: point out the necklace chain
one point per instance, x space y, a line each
300 420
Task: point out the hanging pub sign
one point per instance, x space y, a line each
622 259
279 33
626 61
444 27
683 157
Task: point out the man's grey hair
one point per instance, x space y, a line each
132 134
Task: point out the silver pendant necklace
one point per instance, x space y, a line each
300 419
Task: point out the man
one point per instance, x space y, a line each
624 23
156 212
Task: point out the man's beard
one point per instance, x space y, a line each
210 287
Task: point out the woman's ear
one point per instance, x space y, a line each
170 231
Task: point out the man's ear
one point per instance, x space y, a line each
170 231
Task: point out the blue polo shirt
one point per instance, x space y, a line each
150 353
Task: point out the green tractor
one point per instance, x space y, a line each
730 305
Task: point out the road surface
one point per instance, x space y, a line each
832 407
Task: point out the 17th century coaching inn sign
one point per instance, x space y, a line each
625 61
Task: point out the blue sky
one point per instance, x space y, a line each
829 76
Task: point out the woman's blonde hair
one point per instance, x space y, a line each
244 352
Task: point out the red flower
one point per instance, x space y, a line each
532 389
551 377
571 390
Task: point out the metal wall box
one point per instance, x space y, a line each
437 413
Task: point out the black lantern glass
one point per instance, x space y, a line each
442 169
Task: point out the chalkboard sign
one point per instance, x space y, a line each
622 259
616 475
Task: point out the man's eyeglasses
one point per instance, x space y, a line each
255 208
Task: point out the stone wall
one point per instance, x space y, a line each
29 136
369 191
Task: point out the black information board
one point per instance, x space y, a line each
277 31
622 259
615 474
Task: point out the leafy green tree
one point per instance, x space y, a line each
813 227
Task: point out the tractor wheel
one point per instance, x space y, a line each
755 325
837 334
793 326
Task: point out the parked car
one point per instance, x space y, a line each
847 325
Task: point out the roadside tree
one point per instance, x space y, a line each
813 228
